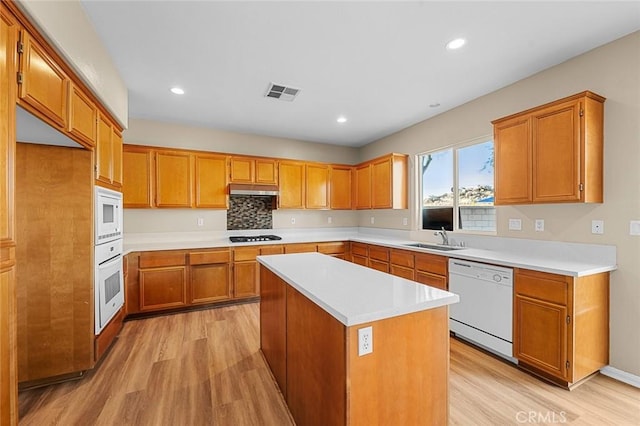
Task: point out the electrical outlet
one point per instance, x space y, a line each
200 221
515 224
539 225
365 341
634 227
293 220
373 220
597 226
405 221
329 219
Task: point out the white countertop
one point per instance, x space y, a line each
351 293
571 259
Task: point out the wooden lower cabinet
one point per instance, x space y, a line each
432 270
245 272
433 280
300 248
163 288
210 277
561 324
335 386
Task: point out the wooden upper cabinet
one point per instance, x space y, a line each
173 179
363 186
44 84
389 182
104 150
340 188
210 181
317 186
116 158
552 153
292 184
253 170
512 148
83 117
136 182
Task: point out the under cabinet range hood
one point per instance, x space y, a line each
252 189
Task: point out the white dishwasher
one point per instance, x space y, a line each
485 313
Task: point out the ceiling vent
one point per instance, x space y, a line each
282 92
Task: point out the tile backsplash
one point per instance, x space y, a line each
250 212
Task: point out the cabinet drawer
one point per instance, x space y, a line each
539 285
431 263
157 259
379 253
359 249
331 248
299 248
245 253
432 280
208 257
359 260
401 271
402 258
378 266
278 249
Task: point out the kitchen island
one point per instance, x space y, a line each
312 308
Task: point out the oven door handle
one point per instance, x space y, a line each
110 262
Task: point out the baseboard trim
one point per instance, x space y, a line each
621 376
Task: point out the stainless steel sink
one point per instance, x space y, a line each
434 246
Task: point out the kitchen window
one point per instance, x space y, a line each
457 188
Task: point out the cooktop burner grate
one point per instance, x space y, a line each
252 238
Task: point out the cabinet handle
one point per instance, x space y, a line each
568 319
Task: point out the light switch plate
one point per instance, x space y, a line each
539 225
515 224
634 227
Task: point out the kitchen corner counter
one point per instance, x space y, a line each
351 293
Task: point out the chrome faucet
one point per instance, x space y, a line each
443 234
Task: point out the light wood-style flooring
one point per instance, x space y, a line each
205 368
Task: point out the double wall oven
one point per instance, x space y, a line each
109 280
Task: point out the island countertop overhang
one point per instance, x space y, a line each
351 293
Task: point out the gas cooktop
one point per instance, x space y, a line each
252 238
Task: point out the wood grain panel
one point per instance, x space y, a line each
402 258
387 388
300 248
291 175
381 184
378 265
210 283
132 283
316 379
214 256
541 285
432 263
360 249
44 87
54 214
245 253
332 248
401 271
104 150
363 186
593 150
246 279
116 159
242 170
108 334
433 280
379 253
340 187
266 171
274 249
83 117
211 181
273 325
317 186
513 161
163 288
153 259
173 179
360 260
136 179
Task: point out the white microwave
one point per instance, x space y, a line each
108 215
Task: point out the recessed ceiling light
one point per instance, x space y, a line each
456 43
341 119
177 91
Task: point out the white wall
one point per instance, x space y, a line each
612 71
68 29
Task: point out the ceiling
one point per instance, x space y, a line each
382 65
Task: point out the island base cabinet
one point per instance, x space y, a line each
314 359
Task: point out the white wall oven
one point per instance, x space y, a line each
109 279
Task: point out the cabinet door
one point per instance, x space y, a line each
211 181
136 182
210 283
300 248
363 187
317 189
245 279
242 170
83 117
382 184
292 184
173 179
556 153
116 158
433 280
104 150
340 188
540 335
163 288
513 165
44 84
266 171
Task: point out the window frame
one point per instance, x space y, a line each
456 190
